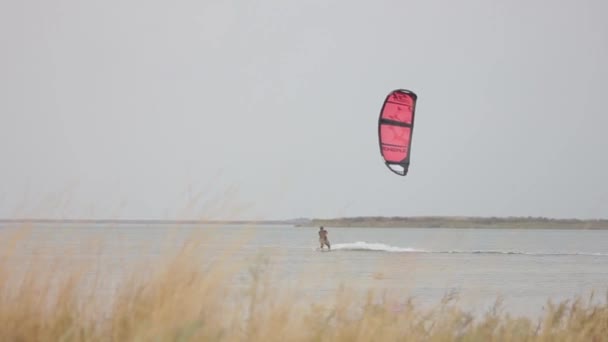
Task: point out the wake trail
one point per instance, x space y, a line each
380 247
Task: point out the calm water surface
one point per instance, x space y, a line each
524 267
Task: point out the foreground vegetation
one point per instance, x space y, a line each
51 295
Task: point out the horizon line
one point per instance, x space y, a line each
102 220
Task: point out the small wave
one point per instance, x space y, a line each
380 247
521 253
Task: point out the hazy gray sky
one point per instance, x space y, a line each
130 109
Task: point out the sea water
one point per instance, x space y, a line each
524 267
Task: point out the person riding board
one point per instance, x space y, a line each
323 238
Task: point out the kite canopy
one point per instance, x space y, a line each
395 128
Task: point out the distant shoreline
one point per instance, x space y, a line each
462 222
365 221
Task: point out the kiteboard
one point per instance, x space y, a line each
395 128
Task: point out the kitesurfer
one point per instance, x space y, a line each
323 238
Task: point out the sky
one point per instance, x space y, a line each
269 109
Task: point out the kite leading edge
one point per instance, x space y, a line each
395 128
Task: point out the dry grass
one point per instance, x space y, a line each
50 296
